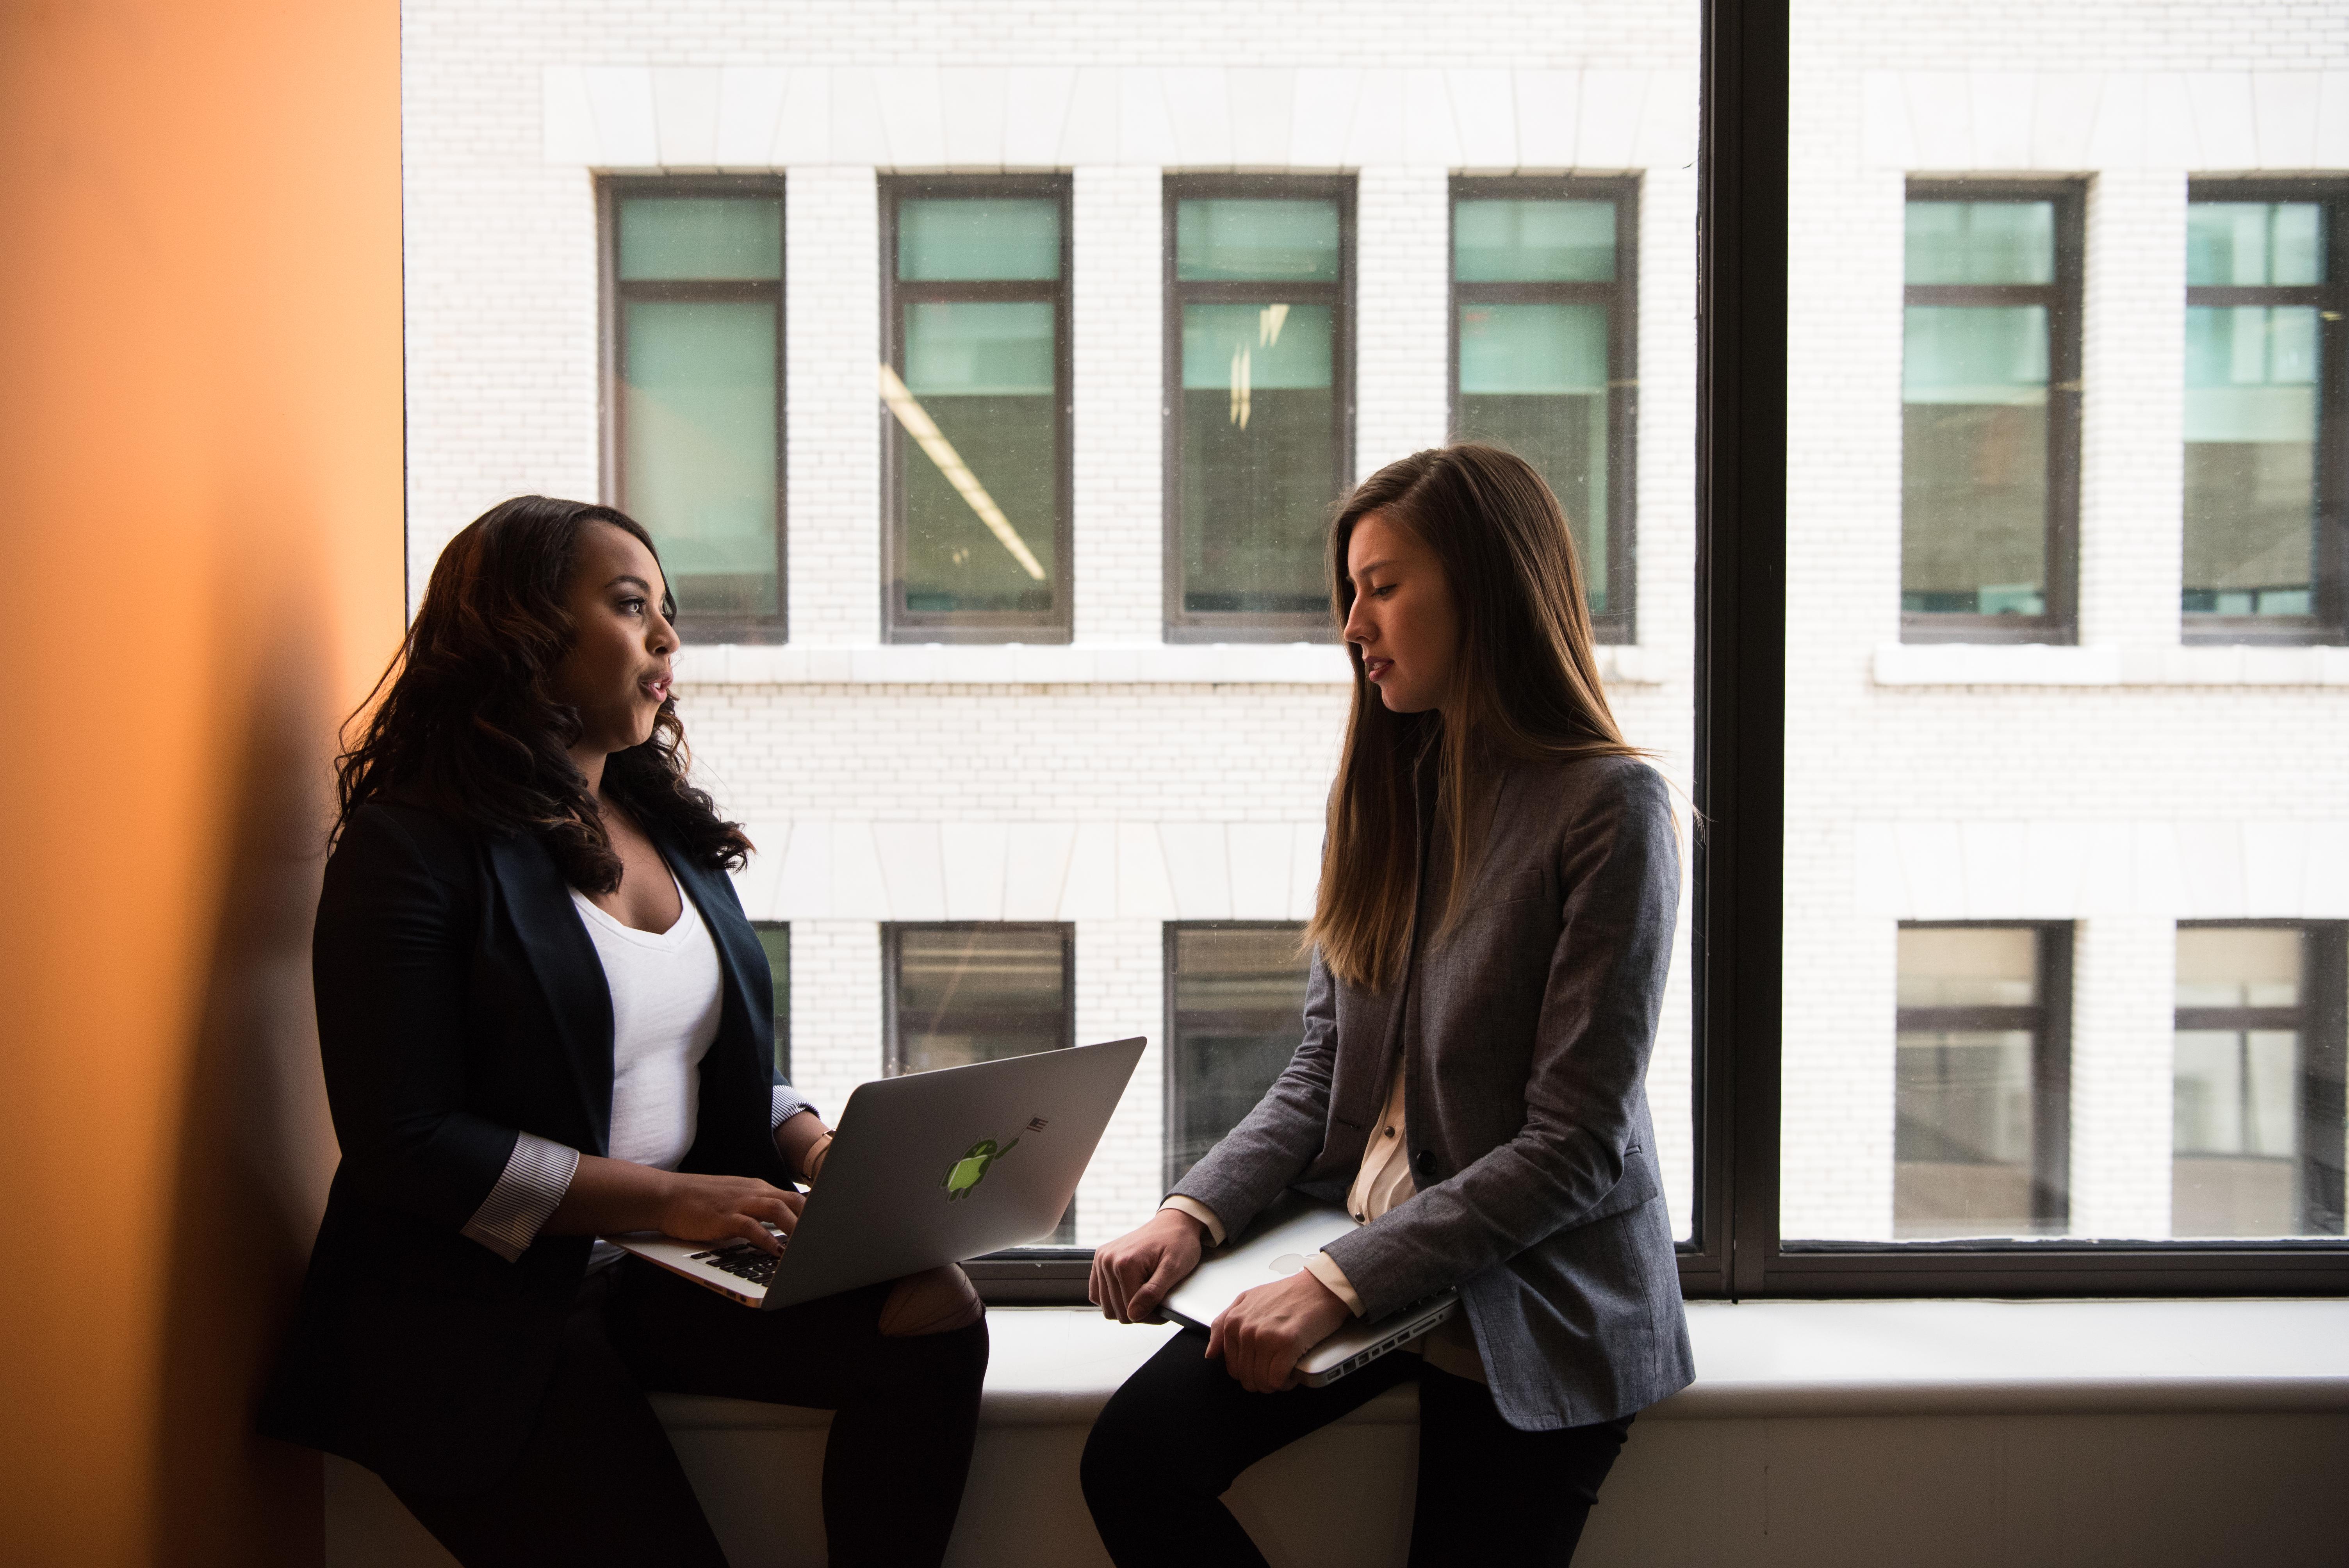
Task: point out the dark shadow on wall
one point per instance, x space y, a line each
255 1155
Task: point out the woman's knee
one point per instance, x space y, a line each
935 1301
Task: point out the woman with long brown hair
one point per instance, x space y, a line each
545 1020
1490 943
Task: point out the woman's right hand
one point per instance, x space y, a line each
1132 1273
725 1208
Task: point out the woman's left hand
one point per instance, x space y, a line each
1261 1335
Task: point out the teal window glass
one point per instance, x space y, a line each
1533 378
698 281
696 238
1533 242
972 239
2250 244
981 499
2254 380
1255 240
1236 1005
1537 303
1976 493
1259 414
1258 312
699 449
1981 242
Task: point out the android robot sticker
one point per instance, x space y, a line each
967 1172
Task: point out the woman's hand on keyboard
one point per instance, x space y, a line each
725 1208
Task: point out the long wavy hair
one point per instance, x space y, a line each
468 723
1525 688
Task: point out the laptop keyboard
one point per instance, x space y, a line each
743 1261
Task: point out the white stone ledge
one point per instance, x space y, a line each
2106 664
1058 1366
1066 664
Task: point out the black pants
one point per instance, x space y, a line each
1176 1436
597 1482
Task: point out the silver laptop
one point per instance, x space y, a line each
1292 1226
927 1170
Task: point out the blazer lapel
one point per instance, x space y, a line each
562 959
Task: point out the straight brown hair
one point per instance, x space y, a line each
1525 688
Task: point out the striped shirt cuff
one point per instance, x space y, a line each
1199 1212
538 1172
788 1103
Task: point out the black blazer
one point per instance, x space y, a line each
460 1004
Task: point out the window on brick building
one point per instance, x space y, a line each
978 992
974 381
1259 402
694 352
1545 356
1235 1014
2267 465
1982 1081
775 937
2258 1147
1990 412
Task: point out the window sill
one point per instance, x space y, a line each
1079 664
1058 1366
2107 664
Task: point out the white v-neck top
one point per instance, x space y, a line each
665 1007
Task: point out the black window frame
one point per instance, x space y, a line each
2062 297
610 190
2328 620
1170 936
1619 623
2321 1020
899 625
1184 626
2048 1021
1737 885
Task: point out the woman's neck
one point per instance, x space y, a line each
590 764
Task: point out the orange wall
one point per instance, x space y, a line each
201 501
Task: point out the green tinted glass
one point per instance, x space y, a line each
945 239
1252 238
775 936
1974 354
981 479
1973 461
1256 348
1533 242
698 416
700 238
1533 378
2251 460
2251 243
1982 242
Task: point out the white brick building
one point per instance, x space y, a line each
1119 781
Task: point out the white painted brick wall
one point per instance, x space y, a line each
832 351
1118 319
1403 240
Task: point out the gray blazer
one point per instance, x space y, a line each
1525 1039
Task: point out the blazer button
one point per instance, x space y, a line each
1424 1163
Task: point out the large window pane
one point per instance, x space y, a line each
1235 1007
1989 406
1258 412
984 374
2258 300
1256 310
977 311
698 418
961 994
2257 1125
775 937
1972 1047
697 323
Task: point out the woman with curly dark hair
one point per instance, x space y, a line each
543 1020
